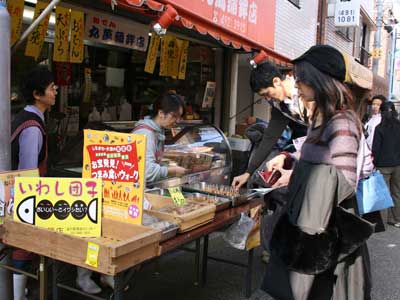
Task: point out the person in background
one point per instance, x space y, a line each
308 259
279 90
29 146
385 149
167 111
374 119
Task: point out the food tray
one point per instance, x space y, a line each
221 203
168 231
213 189
186 221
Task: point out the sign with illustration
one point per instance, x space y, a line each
67 205
116 31
7 190
118 159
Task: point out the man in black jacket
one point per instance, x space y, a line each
286 110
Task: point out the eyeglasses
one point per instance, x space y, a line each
175 115
52 86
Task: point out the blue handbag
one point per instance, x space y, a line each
373 194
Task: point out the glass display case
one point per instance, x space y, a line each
202 149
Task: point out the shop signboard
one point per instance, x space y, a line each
16 10
61 41
66 205
116 31
76 47
36 37
119 160
252 19
7 180
347 13
183 60
152 53
173 57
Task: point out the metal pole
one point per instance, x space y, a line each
377 38
233 93
5 128
392 60
35 23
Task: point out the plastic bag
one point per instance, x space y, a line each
236 235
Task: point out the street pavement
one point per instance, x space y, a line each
172 276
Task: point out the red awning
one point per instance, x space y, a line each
247 24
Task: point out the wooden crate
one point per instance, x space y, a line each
187 221
122 245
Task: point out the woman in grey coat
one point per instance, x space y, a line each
318 246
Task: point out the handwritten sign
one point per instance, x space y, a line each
116 31
183 60
173 58
36 37
16 10
76 47
67 205
152 54
118 159
177 196
61 50
7 180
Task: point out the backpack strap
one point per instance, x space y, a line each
27 124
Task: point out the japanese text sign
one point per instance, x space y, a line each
36 37
16 10
116 31
118 159
152 53
177 196
61 51
67 205
347 13
173 58
7 190
253 19
76 47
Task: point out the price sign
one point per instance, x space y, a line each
177 196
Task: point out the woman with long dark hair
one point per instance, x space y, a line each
385 149
318 245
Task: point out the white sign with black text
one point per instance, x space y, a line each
347 13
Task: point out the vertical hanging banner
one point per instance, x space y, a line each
66 205
152 54
16 10
183 60
7 180
118 159
76 47
60 50
36 37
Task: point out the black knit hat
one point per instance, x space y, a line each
326 59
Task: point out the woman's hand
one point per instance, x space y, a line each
284 179
240 180
276 163
177 171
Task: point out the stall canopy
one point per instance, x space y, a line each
247 24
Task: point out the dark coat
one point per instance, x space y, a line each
319 243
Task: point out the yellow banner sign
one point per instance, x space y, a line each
16 10
118 159
76 47
173 57
67 205
36 37
152 54
183 60
61 50
7 180
177 196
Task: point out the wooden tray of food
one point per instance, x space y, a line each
122 245
188 217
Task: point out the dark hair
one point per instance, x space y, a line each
167 103
37 80
331 95
389 114
262 76
379 97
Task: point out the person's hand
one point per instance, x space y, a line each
284 179
177 171
276 163
240 180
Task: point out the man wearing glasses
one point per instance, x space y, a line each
286 110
